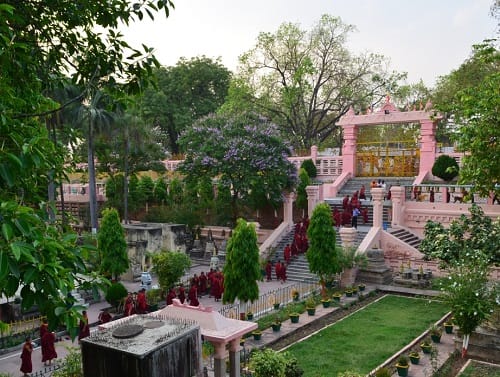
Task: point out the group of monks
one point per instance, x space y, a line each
211 284
348 206
135 303
47 343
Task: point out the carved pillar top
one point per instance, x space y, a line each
219 350
234 345
347 236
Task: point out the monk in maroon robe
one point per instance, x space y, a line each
287 254
48 347
193 295
170 297
129 307
182 294
269 271
203 284
26 365
142 303
84 329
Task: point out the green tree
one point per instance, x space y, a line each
170 266
242 269
186 92
323 256
475 99
112 245
40 46
476 234
445 167
304 181
305 81
245 154
472 298
310 168
268 363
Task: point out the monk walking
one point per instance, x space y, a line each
26 365
48 347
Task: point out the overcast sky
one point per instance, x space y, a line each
426 38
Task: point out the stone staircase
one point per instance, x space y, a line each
407 237
354 184
337 204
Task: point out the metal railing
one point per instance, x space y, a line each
265 303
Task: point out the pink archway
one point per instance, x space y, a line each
389 114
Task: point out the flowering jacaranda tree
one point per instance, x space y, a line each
245 154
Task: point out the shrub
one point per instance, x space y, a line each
116 292
268 363
383 372
445 167
292 368
310 168
72 365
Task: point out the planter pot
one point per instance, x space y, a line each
336 298
276 327
426 349
348 293
276 306
249 316
436 338
257 336
402 370
311 311
361 288
295 298
448 328
326 303
294 318
415 359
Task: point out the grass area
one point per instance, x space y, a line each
368 337
475 369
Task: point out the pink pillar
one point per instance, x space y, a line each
220 359
288 208
347 236
427 146
349 149
378 206
312 199
314 153
398 200
234 358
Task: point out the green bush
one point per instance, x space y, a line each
310 168
72 365
116 292
292 368
268 363
445 167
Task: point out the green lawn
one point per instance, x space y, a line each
475 369
367 338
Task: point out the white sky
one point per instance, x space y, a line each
426 38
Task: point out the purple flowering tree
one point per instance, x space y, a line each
245 154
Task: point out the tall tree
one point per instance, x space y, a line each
306 80
245 154
41 42
242 269
323 256
170 266
112 245
186 92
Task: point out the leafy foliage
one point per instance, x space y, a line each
42 43
475 99
445 167
112 244
323 256
170 266
468 292
245 154
185 92
72 365
242 269
304 181
115 293
305 80
268 363
310 168
475 234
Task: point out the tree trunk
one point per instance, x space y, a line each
125 178
92 179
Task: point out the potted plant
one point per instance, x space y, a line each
250 315
414 357
361 287
153 296
351 261
348 292
448 327
257 335
295 295
294 317
336 296
383 372
435 333
276 325
311 305
402 366
326 302
276 305
426 346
